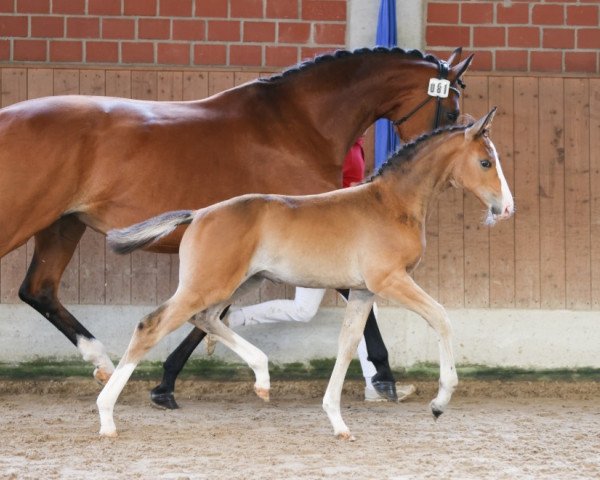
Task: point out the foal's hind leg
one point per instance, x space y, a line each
166 318
359 304
54 247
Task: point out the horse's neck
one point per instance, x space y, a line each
340 99
417 183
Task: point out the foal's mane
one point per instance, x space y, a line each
339 54
409 151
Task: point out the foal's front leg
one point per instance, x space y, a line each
357 310
402 288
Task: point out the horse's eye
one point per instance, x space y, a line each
485 164
452 116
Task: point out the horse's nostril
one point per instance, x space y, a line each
496 210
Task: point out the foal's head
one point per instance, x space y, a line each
478 170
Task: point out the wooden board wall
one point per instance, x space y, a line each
547 132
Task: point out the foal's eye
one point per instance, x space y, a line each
485 164
452 116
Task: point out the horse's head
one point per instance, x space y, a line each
421 112
478 170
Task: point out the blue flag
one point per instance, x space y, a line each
386 140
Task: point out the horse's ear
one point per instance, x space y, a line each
458 70
454 57
481 126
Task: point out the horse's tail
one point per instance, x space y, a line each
136 236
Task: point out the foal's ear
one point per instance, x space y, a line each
454 57
481 127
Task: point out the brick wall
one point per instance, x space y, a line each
264 33
533 36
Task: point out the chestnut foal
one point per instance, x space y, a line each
367 238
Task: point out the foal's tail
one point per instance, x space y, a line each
128 239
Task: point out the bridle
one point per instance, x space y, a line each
443 70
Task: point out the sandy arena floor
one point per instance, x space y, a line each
492 430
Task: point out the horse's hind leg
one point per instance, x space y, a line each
359 304
54 247
153 327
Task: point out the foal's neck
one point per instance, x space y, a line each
415 183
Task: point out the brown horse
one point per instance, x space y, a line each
367 238
76 161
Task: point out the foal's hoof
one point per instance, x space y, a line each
436 410
162 399
346 437
108 433
262 393
386 390
101 375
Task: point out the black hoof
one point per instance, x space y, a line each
163 399
436 413
386 390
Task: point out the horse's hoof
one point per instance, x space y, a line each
101 376
386 390
164 400
108 433
346 437
436 411
262 393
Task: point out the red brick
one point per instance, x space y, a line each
140 7
276 56
189 29
245 55
7 6
294 32
523 37
489 37
282 10
548 15
546 62
323 10
173 53
259 31
4 50
118 28
582 15
210 54
330 33
515 13
45 26
515 60
308 53
483 60
71 7
588 38
246 8
137 52
29 50
449 36
104 7
211 8
155 28
224 30
33 6
13 26
580 62
175 8
102 52
442 12
83 27
66 51
477 12
558 38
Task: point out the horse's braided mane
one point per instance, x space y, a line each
408 151
329 57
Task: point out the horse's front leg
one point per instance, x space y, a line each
402 288
357 310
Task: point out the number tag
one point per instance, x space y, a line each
438 87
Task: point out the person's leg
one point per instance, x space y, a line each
302 309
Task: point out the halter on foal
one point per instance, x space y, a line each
367 238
